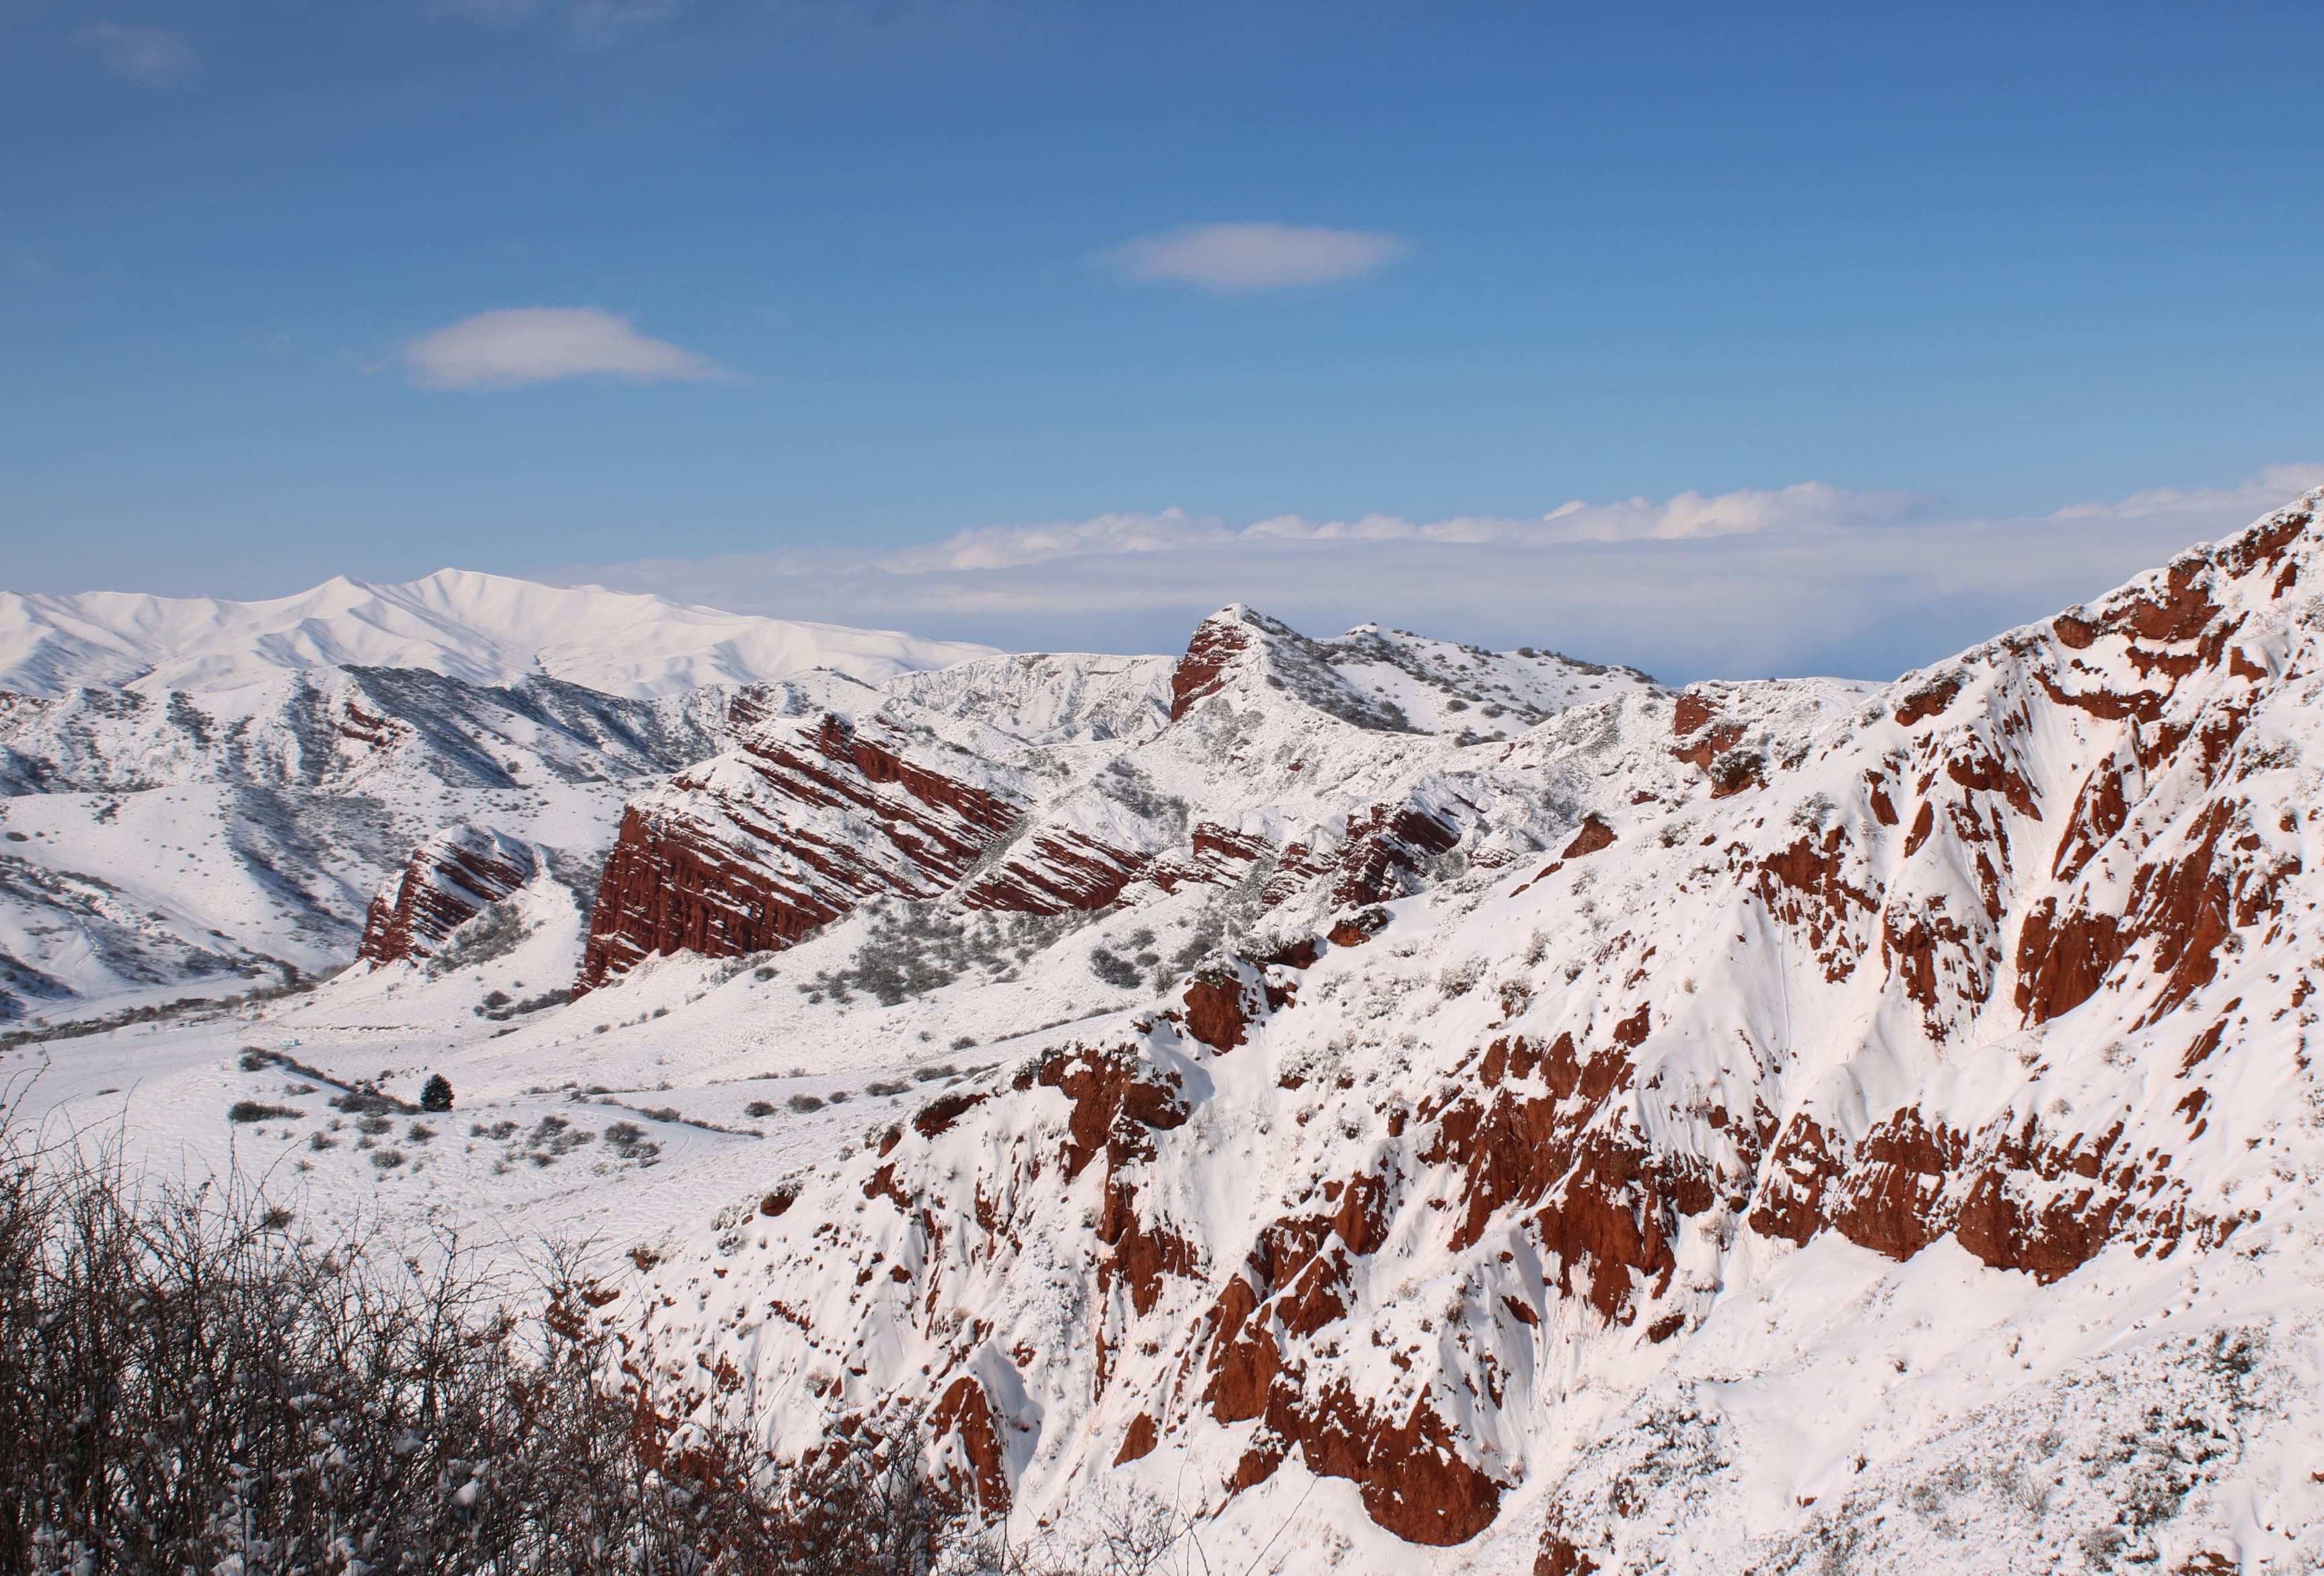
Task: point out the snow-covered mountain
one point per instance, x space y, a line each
484 629
1371 1105
195 845
1782 1126
201 797
1346 785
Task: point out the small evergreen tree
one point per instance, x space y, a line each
435 1094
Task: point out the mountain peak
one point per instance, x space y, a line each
1389 680
484 629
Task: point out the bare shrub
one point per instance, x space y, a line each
183 1385
495 933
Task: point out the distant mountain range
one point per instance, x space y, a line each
200 795
481 629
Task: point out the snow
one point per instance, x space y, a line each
486 629
1820 1408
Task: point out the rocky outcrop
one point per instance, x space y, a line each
1202 671
810 818
963 1420
451 879
2009 963
754 849
2014 1194
1219 1005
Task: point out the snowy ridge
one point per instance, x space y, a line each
483 629
155 848
1043 698
1306 776
1768 1126
1551 1215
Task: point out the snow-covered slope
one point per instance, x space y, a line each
1878 1132
155 848
1318 779
221 817
484 629
1799 1126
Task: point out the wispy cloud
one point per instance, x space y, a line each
518 346
601 24
1243 259
1688 515
154 56
586 24
1805 578
2263 491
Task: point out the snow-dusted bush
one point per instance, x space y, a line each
495 933
185 1385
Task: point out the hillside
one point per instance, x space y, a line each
195 845
1377 1104
1738 1130
200 797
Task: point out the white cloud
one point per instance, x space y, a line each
517 345
1797 579
2263 493
151 55
1240 259
1688 515
1004 546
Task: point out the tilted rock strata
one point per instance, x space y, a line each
1975 959
752 850
207 840
1308 783
452 878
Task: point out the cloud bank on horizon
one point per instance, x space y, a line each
1805 578
515 347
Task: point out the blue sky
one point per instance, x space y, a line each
836 283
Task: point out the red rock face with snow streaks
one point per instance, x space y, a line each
451 879
1217 642
1458 1121
1220 1006
757 847
806 821
963 1418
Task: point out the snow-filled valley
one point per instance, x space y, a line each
1396 1106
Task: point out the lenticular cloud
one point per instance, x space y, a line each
514 347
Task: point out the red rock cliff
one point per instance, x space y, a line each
450 880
